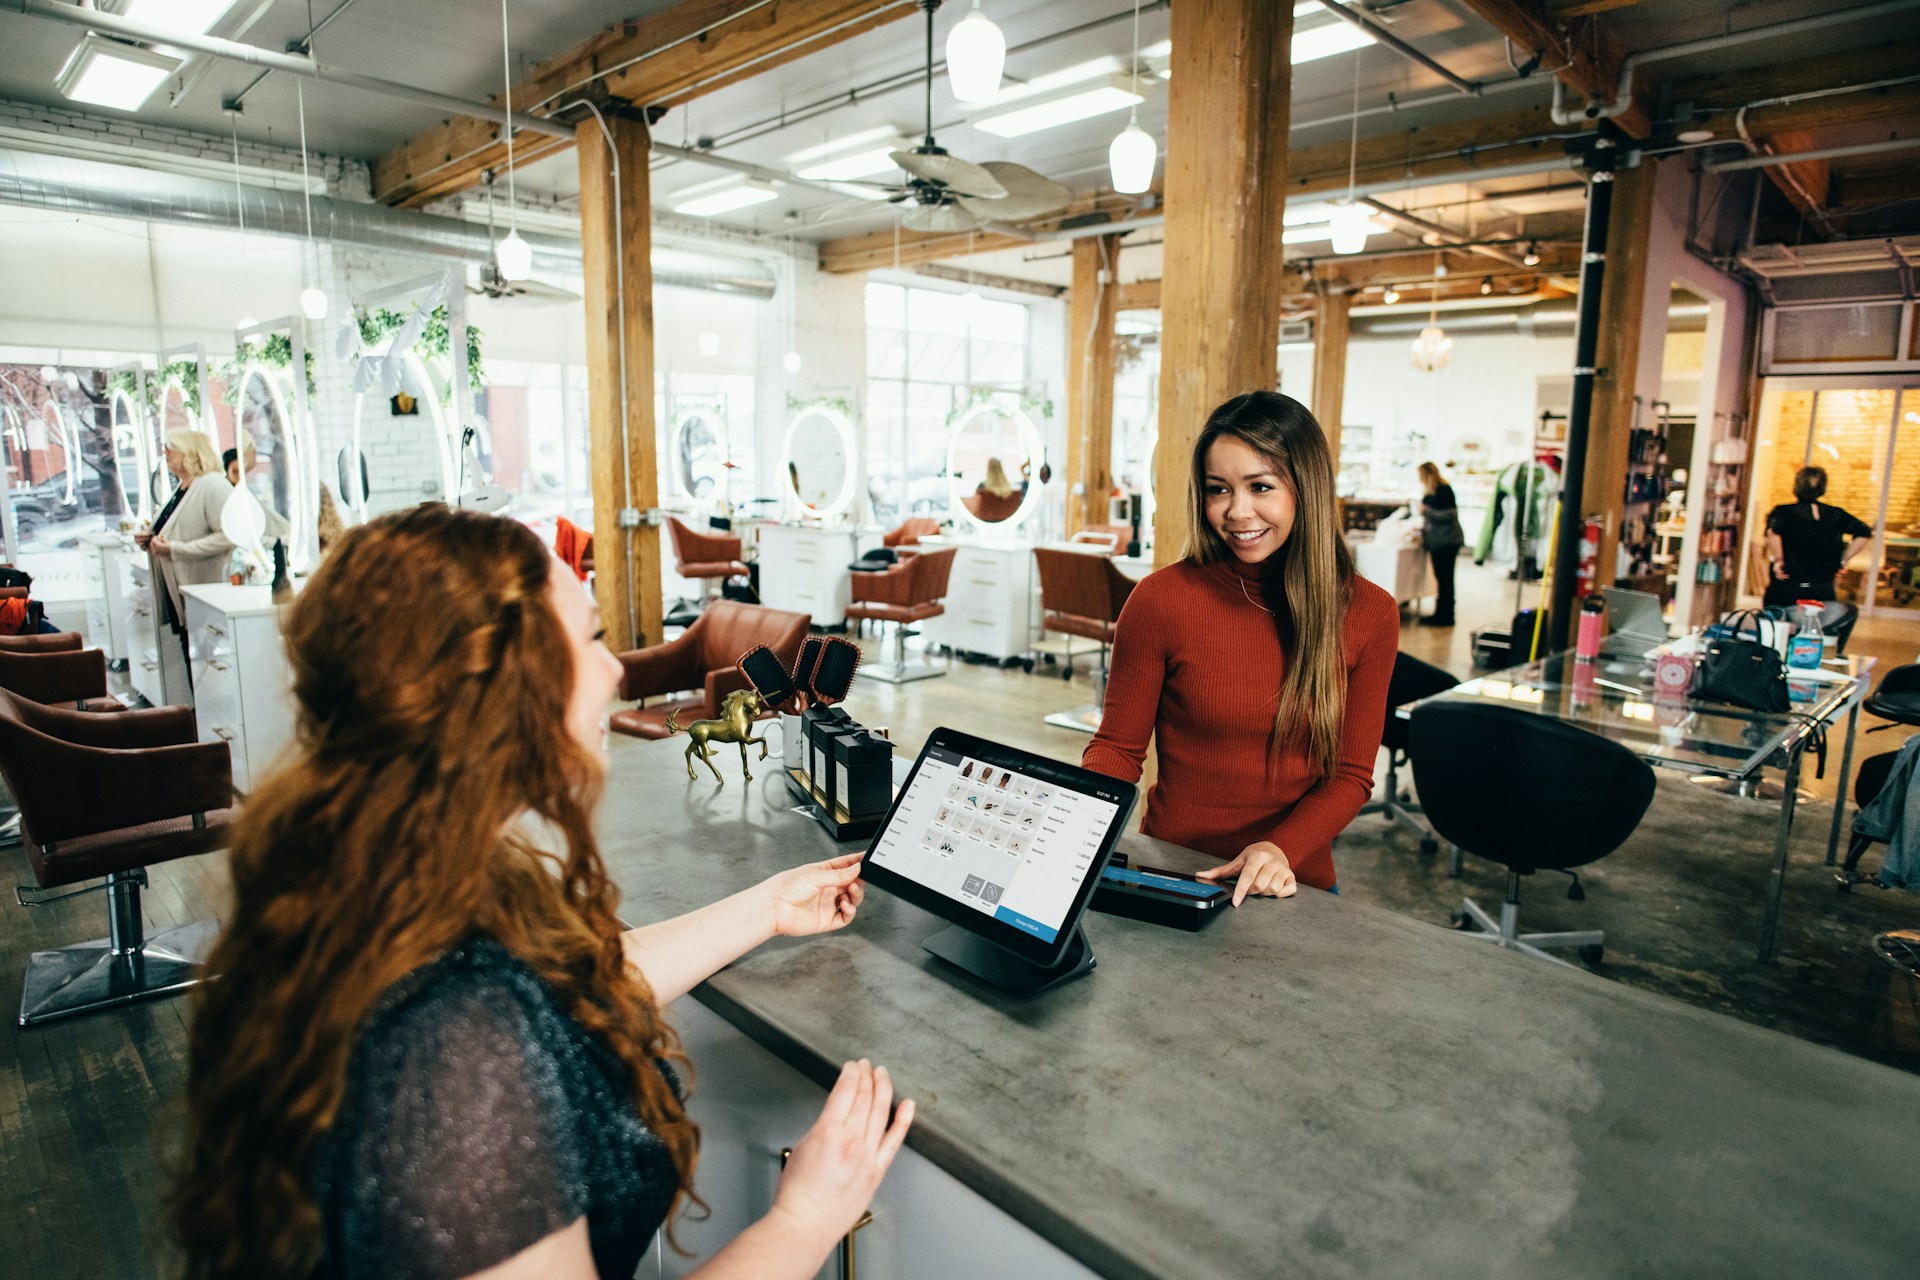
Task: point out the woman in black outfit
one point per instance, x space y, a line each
1808 542
1441 535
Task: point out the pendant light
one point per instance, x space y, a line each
1132 154
1431 347
976 54
1351 221
313 299
514 255
246 320
791 361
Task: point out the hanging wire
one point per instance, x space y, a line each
506 66
306 179
1353 131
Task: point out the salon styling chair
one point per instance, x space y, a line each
905 593
708 558
1411 681
910 532
702 664
1897 698
1081 594
55 670
110 796
1528 792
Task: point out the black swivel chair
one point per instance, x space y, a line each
1869 780
1897 698
1528 792
1412 680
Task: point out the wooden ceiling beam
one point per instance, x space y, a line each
1568 10
1887 59
663 60
1452 151
1588 55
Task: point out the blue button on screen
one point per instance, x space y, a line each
1026 925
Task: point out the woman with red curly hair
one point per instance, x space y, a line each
431 1051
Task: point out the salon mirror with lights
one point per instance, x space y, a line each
130 454
411 418
699 454
819 462
992 456
267 464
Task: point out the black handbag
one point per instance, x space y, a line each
1741 672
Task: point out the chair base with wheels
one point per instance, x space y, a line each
898 670
1085 719
1412 681
1082 594
1505 932
121 968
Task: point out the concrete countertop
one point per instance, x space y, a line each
1309 1087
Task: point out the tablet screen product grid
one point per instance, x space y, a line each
1010 846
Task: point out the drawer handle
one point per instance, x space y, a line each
983 582
976 622
214 631
149 666
223 733
216 666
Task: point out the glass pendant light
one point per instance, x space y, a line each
1132 155
514 255
1431 347
1350 221
313 299
976 54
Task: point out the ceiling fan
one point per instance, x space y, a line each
952 194
495 285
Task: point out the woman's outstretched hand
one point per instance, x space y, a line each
837 1167
816 898
1261 870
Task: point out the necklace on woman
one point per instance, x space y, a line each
1249 595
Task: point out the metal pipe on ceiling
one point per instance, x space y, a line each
306 46
1824 153
1445 235
235 51
1379 31
1554 319
63 184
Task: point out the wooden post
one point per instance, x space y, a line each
1090 312
1623 293
1330 330
1226 178
616 231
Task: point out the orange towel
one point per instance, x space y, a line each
573 545
13 617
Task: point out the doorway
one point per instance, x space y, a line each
1865 432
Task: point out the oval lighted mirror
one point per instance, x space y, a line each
819 457
174 414
990 463
129 455
413 418
350 477
268 465
700 454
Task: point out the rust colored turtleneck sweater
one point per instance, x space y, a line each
1198 665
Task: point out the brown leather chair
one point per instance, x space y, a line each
705 557
111 796
55 670
703 658
1111 538
1081 594
910 532
911 591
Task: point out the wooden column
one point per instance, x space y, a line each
1090 310
1623 294
1227 115
1330 331
616 232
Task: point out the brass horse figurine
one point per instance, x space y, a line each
735 724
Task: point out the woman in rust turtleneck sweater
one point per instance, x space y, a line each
1258 664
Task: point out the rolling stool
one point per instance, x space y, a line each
1081 594
1897 698
1412 680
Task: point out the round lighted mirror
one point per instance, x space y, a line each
991 459
421 468
129 455
268 462
699 454
819 455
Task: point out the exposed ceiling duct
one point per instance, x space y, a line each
1544 320
64 184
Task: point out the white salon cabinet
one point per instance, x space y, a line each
243 692
805 569
993 601
108 583
156 666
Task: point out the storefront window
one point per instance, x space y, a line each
62 477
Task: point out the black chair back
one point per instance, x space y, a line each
1871 777
1525 790
1411 681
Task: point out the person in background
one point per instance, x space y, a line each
1442 536
187 545
995 498
431 1050
1258 664
1808 542
243 462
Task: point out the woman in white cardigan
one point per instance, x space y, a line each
187 544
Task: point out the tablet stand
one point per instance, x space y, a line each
998 967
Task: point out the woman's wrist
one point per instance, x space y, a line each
803 1233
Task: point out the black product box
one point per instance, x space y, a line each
862 774
821 724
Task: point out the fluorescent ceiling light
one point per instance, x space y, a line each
1323 231
706 201
1017 119
864 140
1323 42
189 17
856 164
107 73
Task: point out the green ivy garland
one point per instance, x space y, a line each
436 337
1037 407
186 372
845 406
275 353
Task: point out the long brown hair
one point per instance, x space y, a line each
433 676
1316 569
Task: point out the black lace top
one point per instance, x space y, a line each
479 1118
